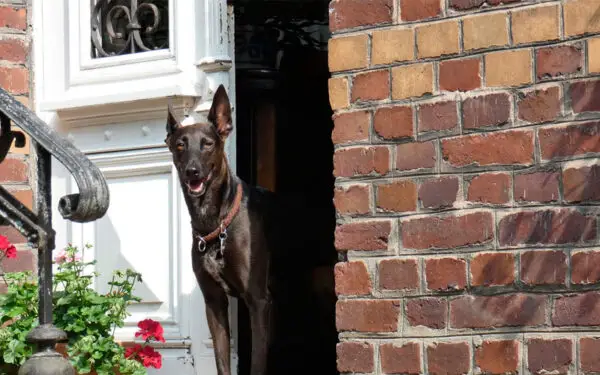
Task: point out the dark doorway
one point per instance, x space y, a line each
284 126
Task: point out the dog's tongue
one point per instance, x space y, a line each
196 186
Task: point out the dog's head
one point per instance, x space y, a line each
199 149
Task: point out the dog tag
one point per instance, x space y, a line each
222 238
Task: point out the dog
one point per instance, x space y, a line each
242 244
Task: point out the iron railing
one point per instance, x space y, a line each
91 203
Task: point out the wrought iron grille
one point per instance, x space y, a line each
121 27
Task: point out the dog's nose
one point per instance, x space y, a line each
192 172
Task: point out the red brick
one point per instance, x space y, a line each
13 50
398 274
13 18
540 105
558 61
588 354
413 156
581 183
363 236
351 127
571 140
490 188
367 315
25 261
558 226
13 170
353 200
536 187
447 232
577 310
24 196
405 359
394 122
498 311
437 116
499 2
585 267
549 356
498 357
470 4
499 148
344 14
493 269
398 196
585 96
446 274
371 86
448 358
543 267
438 192
14 80
414 11
352 278
358 161
13 235
487 110
428 312
460 75
355 356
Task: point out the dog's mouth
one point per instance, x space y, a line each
197 186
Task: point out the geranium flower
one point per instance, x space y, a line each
9 249
63 256
150 329
150 357
11 252
132 351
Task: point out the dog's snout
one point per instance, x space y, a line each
192 172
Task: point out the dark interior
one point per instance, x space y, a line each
284 125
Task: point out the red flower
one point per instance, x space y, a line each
11 252
150 329
8 248
132 351
150 357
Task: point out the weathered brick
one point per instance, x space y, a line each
541 105
413 156
394 122
569 140
15 80
498 357
13 235
351 127
355 356
535 24
371 86
361 161
13 50
352 278
460 75
390 46
448 231
557 226
24 195
497 311
549 356
465 4
338 93
397 196
398 274
508 68
414 11
344 14
13 170
352 200
493 269
438 192
543 267
585 267
492 188
593 49
400 359
428 312
446 274
371 235
577 310
589 347
448 358
486 110
26 260
536 187
438 116
348 53
580 17
437 39
559 61
367 315
485 31
584 96
412 80
499 148
14 18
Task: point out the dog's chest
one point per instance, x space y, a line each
214 266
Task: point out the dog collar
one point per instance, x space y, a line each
221 231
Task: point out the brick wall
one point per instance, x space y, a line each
15 174
467 172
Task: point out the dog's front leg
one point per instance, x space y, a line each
217 315
260 311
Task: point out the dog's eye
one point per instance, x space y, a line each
180 147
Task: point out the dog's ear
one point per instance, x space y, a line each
220 112
172 123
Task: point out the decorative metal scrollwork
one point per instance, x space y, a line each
122 27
